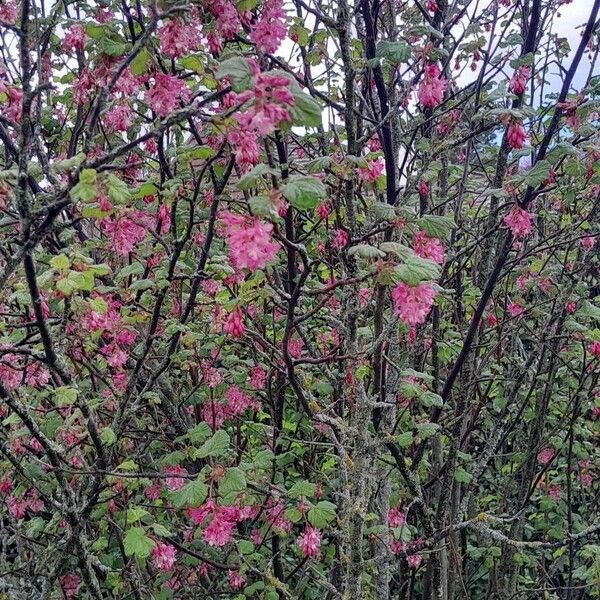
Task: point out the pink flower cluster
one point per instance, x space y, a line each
234 326
519 221
427 247
124 232
270 30
249 241
178 38
309 542
166 94
227 23
236 403
516 135
432 87
372 171
518 81
270 99
163 556
413 303
75 38
223 520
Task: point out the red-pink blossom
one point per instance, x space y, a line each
270 30
516 135
177 38
413 303
414 560
236 580
74 38
163 556
249 241
545 456
427 247
519 221
518 82
309 542
234 326
396 518
118 118
372 171
166 94
432 87
594 349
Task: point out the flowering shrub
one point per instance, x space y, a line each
299 300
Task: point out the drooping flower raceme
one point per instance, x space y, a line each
166 93
163 556
432 87
310 542
178 38
249 241
519 221
270 30
516 135
427 247
413 303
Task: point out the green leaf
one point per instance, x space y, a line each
589 310
321 514
99 305
303 192
234 480
366 251
199 433
461 475
137 543
404 439
60 262
139 65
161 530
306 111
302 488
132 269
65 395
250 179
427 430
191 494
118 190
238 71
416 269
436 226
538 173
395 52
430 399
214 446
108 436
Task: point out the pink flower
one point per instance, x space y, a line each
118 118
174 482
123 233
218 532
554 493
491 320
178 38
518 82
69 584
545 456
75 38
13 105
372 171
323 209
270 30
423 188
340 239
258 378
396 518
8 11
431 5
587 242
234 326
236 581
310 542
414 560
515 135
163 556
245 144
594 349
413 303
514 309
432 87
519 221
427 247
249 241
166 93
83 87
